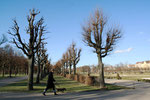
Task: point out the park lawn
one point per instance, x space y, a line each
134 77
1 77
12 76
61 82
22 87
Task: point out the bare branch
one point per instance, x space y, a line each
20 47
93 34
3 39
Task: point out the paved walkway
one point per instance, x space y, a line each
141 92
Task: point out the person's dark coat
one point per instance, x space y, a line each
50 80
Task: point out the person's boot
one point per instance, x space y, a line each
44 93
55 93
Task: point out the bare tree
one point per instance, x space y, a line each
67 62
75 56
10 54
57 67
41 57
3 60
64 61
3 39
96 35
35 31
43 61
69 59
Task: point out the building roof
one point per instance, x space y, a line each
143 62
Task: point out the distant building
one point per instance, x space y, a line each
143 64
131 66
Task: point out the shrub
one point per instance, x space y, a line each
81 79
89 80
76 77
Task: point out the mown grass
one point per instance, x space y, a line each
116 87
1 77
61 82
72 86
13 75
22 87
128 77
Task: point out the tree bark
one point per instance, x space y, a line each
41 74
30 74
3 71
38 74
101 72
63 70
69 69
10 70
74 68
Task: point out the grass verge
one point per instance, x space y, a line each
12 76
61 82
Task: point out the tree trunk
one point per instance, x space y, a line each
16 71
26 72
30 74
41 74
74 68
10 70
64 71
44 71
69 69
101 72
3 71
38 74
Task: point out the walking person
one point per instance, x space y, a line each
50 83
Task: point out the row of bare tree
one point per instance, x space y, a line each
102 38
96 34
12 61
34 47
69 60
42 62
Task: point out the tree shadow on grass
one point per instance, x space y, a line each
22 83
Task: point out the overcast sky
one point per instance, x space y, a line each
64 20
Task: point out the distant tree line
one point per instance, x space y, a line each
12 61
33 48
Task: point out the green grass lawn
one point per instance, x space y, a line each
1 77
13 75
61 82
129 76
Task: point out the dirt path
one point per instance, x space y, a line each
7 81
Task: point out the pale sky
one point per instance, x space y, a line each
64 20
